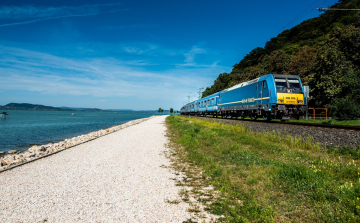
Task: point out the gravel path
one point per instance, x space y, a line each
335 137
116 178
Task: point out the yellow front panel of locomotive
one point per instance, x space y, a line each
290 99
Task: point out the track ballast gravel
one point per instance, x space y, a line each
325 136
116 178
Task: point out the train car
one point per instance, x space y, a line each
186 109
203 106
207 105
269 96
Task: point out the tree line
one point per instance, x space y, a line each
160 110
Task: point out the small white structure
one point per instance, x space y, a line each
3 115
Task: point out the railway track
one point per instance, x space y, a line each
341 127
347 127
329 135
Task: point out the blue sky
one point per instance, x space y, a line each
136 54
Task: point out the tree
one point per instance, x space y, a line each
335 79
160 110
249 73
302 63
276 62
251 59
171 110
220 84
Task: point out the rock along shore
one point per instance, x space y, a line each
12 158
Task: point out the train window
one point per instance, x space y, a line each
280 82
264 85
202 103
293 83
212 101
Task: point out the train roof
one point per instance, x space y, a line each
242 84
209 96
261 78
285 76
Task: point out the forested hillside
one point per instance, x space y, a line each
323 51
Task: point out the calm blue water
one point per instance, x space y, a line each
22 128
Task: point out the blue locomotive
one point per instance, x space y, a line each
269 96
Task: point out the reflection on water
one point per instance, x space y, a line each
20 129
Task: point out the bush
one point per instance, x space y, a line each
345 108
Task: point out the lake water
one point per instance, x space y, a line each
21 129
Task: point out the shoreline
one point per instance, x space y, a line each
15 159
121 177
21 129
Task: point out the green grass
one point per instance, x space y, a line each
269 177
330 121
319 121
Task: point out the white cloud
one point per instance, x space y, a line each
34 14
25 12
99 77
139 50
190 56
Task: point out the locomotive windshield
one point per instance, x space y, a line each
288 85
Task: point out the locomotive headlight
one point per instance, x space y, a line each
280 101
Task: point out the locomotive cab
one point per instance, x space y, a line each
289 97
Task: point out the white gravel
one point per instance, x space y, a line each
116 178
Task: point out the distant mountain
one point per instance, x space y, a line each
119 110
27 106
80 109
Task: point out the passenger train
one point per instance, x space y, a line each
271 96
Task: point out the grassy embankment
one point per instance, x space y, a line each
267 177
330 121
320 121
